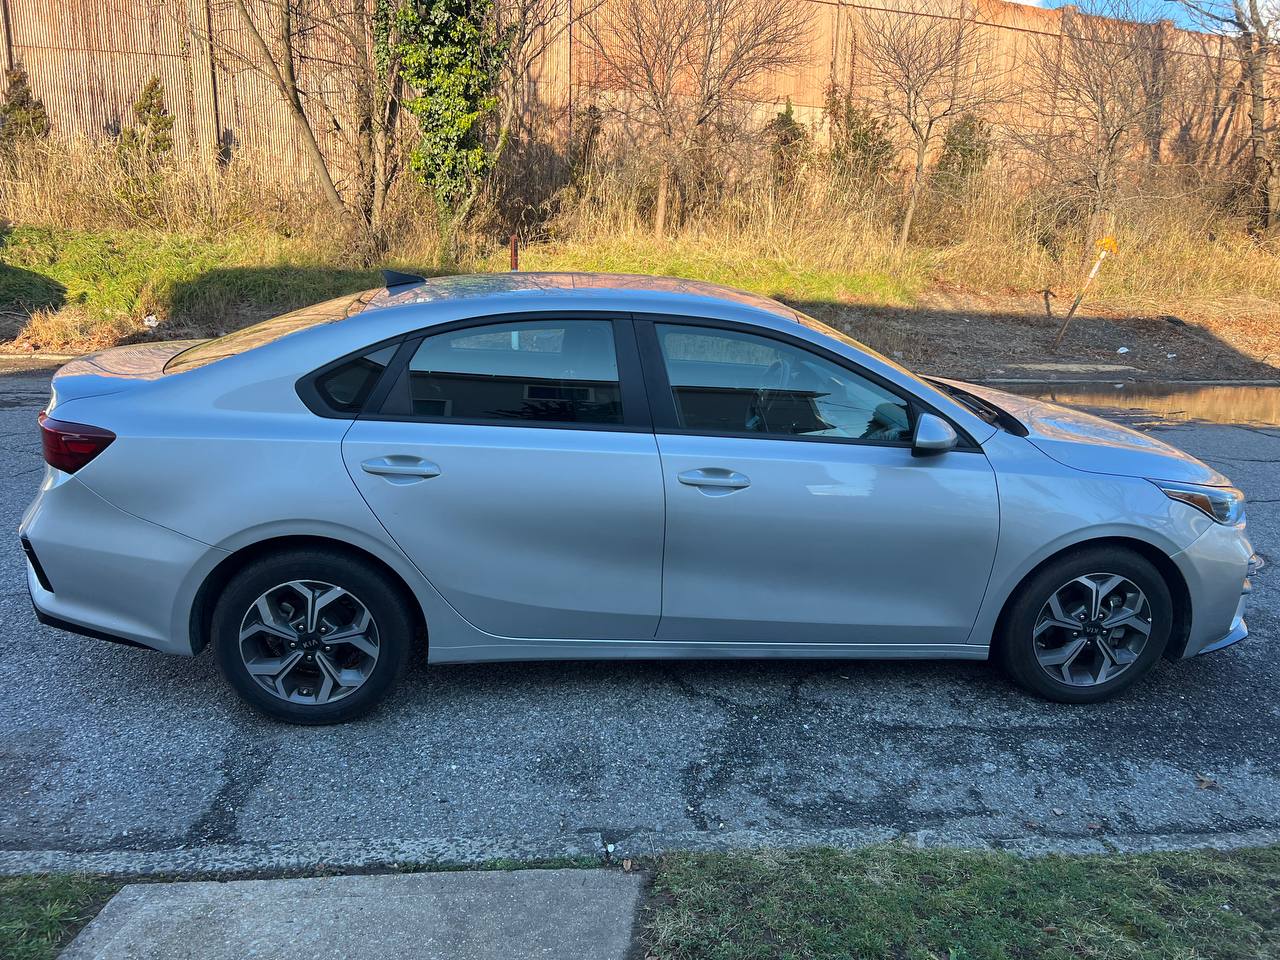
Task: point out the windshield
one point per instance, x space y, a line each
268 331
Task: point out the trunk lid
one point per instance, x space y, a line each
113 371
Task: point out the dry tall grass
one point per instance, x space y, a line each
91 186
202 247
1178 252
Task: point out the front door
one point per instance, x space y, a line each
795 510
514 466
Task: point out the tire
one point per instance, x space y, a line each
332 670
1093 670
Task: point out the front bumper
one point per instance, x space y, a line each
1216 568
1239 628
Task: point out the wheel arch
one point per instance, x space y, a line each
214 582
1173 578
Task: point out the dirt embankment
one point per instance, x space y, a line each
967 335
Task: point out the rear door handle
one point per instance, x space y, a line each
714 477
410 468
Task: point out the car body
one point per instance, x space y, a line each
535 493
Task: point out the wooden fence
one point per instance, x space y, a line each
88 59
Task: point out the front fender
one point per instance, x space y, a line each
1047 508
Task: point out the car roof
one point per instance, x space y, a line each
601 286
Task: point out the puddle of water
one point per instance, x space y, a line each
1176 403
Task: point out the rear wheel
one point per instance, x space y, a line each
1087 626
311 637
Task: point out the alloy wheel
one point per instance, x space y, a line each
310 642
1092 629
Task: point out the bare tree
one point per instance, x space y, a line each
1254 27
350 54
353 93
529 28
683 67
1099 106
930 64
1201 98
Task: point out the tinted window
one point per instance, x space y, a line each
731 382
558 371
347 387
260 334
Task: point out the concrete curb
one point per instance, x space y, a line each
354 855
1128 382
470 915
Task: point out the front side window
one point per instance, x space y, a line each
550 371
724 381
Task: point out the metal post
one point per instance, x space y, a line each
9 62
515 253
206 124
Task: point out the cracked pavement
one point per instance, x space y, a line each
119 759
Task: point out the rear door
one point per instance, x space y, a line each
795 509
514 462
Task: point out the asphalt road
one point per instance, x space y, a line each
121 759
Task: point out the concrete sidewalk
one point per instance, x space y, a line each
560 914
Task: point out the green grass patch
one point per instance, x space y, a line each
73 290
890 902
906 904
38 915
734 264
107 283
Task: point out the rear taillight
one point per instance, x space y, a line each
69 446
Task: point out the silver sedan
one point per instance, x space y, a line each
538 466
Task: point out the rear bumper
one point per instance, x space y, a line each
66 626
95 570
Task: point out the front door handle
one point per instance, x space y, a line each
412 468
714 477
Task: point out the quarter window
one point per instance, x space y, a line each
346 388
730 382
550 371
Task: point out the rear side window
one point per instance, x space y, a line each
547 371
345 389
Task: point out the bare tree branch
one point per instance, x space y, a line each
281 73
1254 28
930 64
681 66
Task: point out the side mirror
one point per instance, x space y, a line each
933 435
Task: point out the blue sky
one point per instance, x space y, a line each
1155 9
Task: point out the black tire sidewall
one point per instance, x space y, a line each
385 604
1016 645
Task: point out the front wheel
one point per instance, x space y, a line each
1087 626
311 637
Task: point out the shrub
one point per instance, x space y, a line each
788 144
861 142
966 149
151 137
22 116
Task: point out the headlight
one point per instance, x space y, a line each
1223 504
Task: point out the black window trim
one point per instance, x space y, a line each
662 403
308 386
635 405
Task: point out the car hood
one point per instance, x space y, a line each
1095 445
